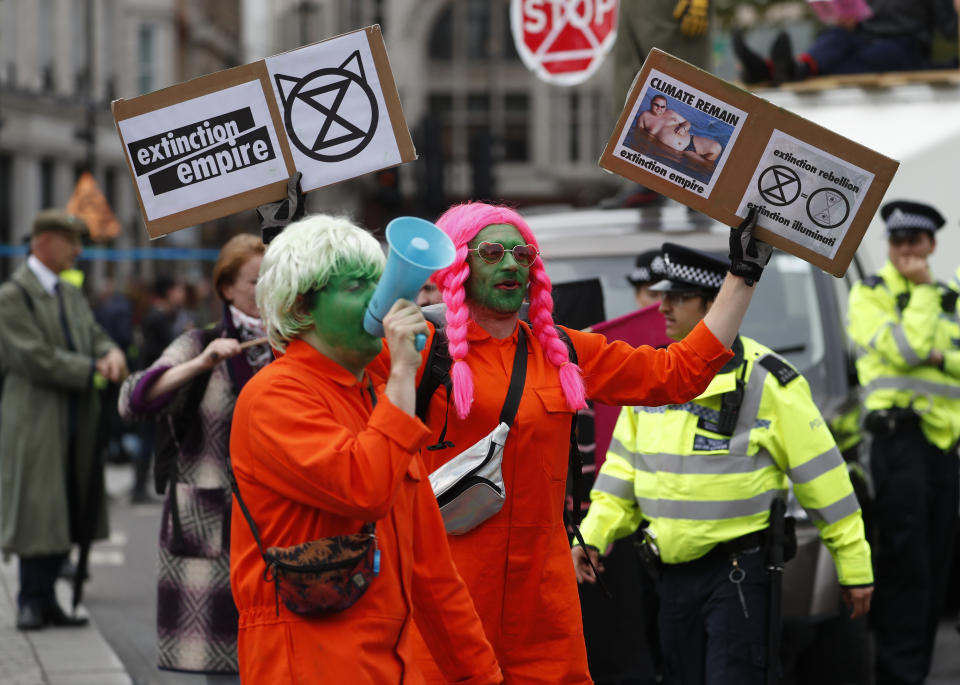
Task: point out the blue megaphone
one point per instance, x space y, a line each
417 249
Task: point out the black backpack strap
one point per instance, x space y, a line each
576 459
576 474
436 371
518 377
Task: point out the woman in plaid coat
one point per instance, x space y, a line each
196 616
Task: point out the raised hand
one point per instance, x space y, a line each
748 254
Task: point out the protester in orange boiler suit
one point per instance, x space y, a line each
313 457
517 563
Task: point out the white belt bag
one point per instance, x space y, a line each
469 488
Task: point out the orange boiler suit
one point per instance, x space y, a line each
517 563
313 459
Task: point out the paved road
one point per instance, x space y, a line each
122 593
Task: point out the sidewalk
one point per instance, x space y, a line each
52 656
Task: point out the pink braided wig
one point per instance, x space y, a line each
462 223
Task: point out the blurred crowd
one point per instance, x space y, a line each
143 317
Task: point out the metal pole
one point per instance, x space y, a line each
90 113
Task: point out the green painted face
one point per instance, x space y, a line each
498 287
337 316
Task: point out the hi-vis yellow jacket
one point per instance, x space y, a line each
698 487
895 324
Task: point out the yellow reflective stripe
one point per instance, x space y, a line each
709 510
872 344
629 456
840 509
931 388
693 464
749 409
614 486
816 467
903 346
705 464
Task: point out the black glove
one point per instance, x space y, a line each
275 216
748 255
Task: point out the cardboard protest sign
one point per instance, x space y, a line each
721 150
228 141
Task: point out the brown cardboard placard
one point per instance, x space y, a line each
228 141
816 191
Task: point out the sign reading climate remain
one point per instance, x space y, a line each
722 151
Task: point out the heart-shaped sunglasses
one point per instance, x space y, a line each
492 253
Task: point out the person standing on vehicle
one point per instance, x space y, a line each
905 325
680 27
701 476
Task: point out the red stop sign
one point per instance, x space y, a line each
563 41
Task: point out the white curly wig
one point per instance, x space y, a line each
302 258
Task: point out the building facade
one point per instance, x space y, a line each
61 64
483 125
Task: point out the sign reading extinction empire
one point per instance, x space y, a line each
201 150
722 151
228 141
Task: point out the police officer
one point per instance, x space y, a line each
905 326
702 477
646 272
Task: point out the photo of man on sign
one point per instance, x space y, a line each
673 130
681 129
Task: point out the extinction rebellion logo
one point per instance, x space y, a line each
196 152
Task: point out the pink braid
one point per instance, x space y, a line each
541 316
462 223
458 315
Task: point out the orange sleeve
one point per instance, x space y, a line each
618 374
444 610
380 366
306 454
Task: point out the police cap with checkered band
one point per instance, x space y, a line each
648 269
688 269
904 217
